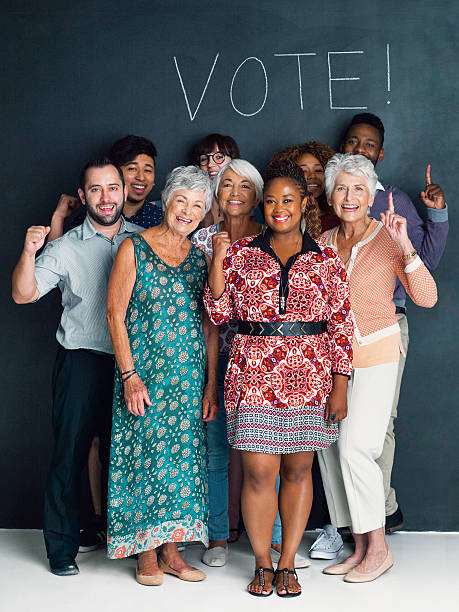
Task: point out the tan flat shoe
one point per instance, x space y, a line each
192 575
339 569
355 576
148 579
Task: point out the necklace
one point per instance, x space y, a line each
283 289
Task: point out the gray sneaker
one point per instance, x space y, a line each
327 545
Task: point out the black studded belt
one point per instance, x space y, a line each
282 328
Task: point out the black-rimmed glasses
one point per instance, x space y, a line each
218 157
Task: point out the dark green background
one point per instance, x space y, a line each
75 79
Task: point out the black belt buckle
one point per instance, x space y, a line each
282 328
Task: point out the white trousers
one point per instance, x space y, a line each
352 479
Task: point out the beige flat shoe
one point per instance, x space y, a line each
148 579
193 575
355 576
339 569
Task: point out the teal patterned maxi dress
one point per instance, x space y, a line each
158 488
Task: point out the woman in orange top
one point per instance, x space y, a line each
374 254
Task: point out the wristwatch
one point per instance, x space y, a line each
410 255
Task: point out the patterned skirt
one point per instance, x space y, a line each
279 431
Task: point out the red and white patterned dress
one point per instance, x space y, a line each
276 387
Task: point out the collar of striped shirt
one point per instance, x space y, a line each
88 229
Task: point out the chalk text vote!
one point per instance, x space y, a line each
259 65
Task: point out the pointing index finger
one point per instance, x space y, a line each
428 178
391 202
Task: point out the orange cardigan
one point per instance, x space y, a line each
373 266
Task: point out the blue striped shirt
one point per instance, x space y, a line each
79 263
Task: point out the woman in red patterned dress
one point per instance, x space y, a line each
285 387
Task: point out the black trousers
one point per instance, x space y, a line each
82 408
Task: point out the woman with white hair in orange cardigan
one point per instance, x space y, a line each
374 254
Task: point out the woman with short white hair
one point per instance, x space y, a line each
160 335
374 254
238 189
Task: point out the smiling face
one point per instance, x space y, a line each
185 210
212 165
284 205
103 195
364 139
236 194
351 198
313 173
139 176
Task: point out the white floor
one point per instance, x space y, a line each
425 577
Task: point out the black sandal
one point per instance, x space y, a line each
285 582
260 573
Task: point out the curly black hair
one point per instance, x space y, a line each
291 171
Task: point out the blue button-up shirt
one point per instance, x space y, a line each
79 263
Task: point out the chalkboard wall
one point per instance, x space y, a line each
270 74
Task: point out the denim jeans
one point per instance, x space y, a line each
219 454
277 529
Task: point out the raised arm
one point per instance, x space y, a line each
409 267
66 206
24 285
120 286
221 243
429 237
216 295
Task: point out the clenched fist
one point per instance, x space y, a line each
66 206
220 244
35 238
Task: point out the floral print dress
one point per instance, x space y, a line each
276 387
158 489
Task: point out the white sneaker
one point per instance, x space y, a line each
327 545
216 556
299 560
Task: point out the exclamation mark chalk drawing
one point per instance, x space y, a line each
388 69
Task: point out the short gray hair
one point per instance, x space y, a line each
244 169
358 165
188 177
